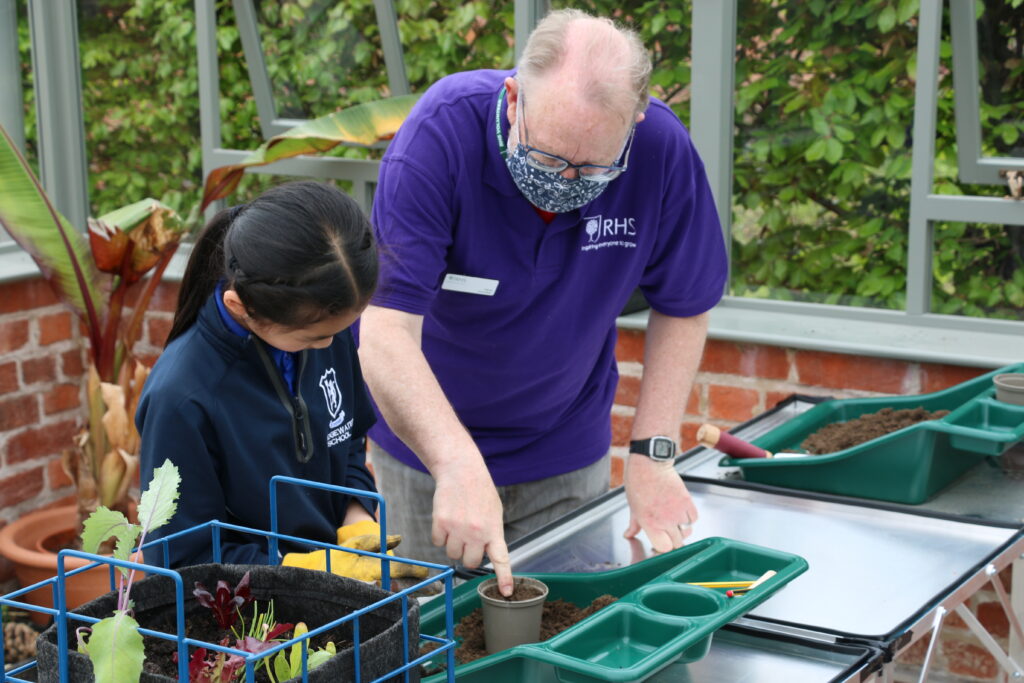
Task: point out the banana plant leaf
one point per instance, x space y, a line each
130 240
60 251
141 215
362 124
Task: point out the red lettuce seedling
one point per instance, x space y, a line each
226 602
218 667
256 645
260 633
256 637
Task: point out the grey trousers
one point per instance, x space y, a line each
409 496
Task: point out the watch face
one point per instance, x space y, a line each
662 449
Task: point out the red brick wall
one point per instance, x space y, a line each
42 370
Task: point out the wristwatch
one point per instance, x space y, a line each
660 448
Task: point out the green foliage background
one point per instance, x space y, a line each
824 101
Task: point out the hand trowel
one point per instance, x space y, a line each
713 437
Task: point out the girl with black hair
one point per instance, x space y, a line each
260 377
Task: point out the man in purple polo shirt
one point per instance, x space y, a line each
517 212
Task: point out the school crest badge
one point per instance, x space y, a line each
332 395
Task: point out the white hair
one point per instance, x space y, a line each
614 73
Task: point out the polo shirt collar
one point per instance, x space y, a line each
230 323
495 171
286 361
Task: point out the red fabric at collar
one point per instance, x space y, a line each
546 216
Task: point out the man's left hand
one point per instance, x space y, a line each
659 503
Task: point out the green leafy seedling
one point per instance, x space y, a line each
289 665
114 644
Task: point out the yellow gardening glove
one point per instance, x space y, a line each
355 566
363 528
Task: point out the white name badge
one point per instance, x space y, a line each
469 285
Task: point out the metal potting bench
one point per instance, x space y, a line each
882 576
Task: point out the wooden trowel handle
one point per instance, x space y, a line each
713 437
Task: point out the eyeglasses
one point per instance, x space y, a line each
552 163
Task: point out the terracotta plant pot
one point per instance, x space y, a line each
31 544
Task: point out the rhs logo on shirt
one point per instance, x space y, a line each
604 232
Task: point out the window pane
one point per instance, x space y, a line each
664 28
140 103
979 270
1001 61
946 169
321 55
28 98
824 99
324 55
440 38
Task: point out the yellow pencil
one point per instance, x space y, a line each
722 584
740 592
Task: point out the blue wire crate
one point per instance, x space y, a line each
62 617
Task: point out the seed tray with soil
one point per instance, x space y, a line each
902 449
558 615
660 616
842 435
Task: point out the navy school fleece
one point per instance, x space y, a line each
210 407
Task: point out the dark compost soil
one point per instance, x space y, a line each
841 435
520 591
558 616
201 625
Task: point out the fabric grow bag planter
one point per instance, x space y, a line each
314 597
907 466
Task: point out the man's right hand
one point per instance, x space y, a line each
467 511
468 519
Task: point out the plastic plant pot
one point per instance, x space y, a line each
508 623
1010 388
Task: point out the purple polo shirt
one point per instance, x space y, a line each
530 369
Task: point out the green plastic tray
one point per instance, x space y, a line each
658 619
907 466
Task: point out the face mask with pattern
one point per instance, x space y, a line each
548 191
